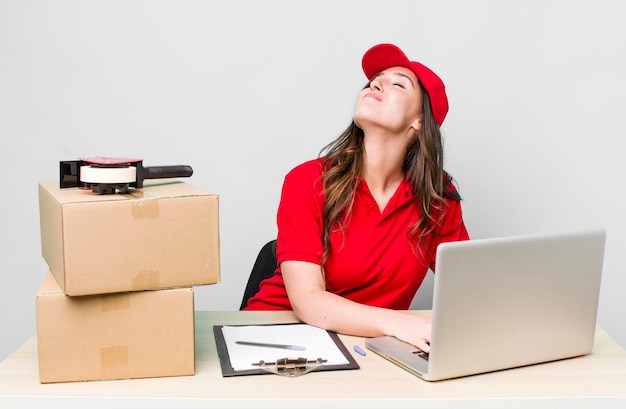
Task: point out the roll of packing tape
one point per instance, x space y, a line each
108 175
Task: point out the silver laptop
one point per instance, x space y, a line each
507 302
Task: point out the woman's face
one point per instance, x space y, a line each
392 101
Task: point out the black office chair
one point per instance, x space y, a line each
264 267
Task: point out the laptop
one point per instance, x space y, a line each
507 302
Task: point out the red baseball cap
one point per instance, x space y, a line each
383 56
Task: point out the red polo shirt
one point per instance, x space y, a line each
371 261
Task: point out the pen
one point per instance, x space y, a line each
359 350
263 344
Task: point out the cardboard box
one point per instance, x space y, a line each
162 236
140 334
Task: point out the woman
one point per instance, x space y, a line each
358 228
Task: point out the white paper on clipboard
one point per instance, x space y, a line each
317 343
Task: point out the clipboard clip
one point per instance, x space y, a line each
290 367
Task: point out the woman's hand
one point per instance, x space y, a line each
412 328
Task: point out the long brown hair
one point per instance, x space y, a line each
423 169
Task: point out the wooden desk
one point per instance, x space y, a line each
597 380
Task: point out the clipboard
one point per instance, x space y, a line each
228 370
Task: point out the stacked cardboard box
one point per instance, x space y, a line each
117 301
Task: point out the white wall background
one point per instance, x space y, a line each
245 90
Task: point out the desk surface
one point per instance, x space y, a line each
568 383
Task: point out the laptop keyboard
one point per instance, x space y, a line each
421 354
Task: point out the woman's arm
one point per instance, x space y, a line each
314 305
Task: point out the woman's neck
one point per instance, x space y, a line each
383 161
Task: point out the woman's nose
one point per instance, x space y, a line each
376 84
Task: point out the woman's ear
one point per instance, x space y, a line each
417 124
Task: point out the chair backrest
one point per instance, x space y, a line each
264 267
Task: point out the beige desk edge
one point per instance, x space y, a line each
600 375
